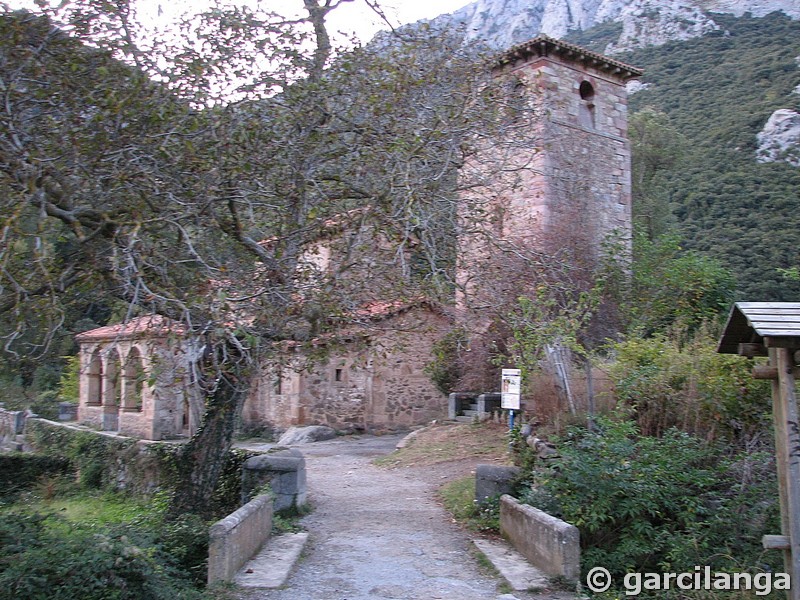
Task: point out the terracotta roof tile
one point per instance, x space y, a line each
147 325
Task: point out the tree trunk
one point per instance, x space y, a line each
203 458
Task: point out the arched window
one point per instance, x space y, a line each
94 376
134 379
586 114
586 90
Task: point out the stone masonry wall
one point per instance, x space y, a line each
585 143
371 382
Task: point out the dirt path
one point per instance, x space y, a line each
377 533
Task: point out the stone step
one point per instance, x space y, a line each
271 566
519 574
470 413
462 419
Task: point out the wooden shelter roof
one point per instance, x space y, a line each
769 324
543 45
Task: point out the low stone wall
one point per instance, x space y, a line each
550 544
12 422
492 481
284 469
236 538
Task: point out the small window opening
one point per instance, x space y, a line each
279 383
586 115
338 375
586 90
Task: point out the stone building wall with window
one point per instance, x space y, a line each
370 377
555 187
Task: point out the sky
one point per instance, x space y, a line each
358 15
353 17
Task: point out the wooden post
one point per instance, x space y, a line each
787 446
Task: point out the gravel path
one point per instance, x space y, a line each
377 533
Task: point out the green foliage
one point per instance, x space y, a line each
659 504
670 285
44 557
458 498
20 471
656 149
681 381
547 321
68 385
185 541
792 273
94 458
227 496
727 206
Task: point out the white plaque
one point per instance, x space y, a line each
510 390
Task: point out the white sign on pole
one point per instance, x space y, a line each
510 391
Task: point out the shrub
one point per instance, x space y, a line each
458 498
46 558
20 471
650 504
679 381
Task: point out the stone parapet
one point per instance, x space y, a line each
236 538
550 544
285 472
492 481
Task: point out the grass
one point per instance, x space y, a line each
458 497
84 507
446 442
95 509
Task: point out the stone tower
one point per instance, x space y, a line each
541 202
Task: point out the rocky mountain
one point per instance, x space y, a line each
633 23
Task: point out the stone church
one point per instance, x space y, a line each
570 189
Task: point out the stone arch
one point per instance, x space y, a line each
586 90
112 390
133 381
586 114
94 376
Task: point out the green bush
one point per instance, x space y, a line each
648 504
679 381
458 498
20 471
46 558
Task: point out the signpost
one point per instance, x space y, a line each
510 391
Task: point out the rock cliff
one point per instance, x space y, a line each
503 23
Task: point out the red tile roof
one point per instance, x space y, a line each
544 45
144 326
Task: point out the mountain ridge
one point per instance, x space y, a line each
503 23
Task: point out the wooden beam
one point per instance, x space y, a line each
765 372
787 446
752 350
792 343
